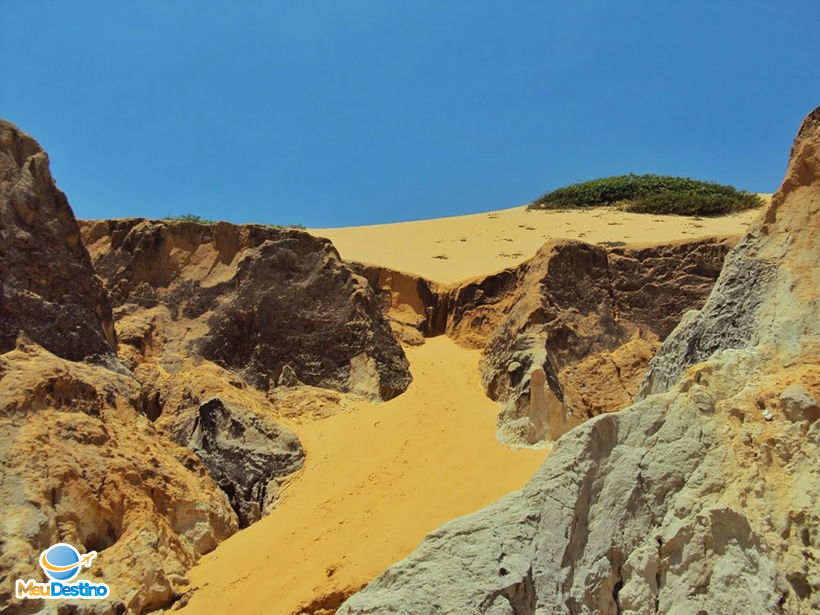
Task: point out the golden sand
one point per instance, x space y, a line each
376 481
453 249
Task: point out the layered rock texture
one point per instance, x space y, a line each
49 290
243 454
700 498
584 320
567 334
252 299
152 431
82 465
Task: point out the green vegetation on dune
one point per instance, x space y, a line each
657 194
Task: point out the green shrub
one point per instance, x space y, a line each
692 203
651 194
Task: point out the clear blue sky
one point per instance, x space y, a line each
339 113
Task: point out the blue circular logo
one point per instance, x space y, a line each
61 562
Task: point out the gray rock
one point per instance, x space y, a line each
686 502
727 320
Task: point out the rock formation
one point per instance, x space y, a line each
581 320
415 308
590 318
700 498
49 290
82 465
81 462
244 453
153 444
252 299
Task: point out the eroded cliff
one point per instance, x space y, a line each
702 497
566 335
152 432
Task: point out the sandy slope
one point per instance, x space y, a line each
454 249
376 481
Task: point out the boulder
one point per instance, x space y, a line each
244 453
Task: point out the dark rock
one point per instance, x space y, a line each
243 452
267 298
49 289
566 306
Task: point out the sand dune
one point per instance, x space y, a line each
457 248
376 481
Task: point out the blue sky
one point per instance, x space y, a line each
356 112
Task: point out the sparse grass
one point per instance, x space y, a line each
201 220
659 194
300 227
188 218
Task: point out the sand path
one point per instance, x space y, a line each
376 481
457 248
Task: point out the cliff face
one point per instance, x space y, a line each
702 497
81 463
49 290
153 444
252 299
567 334
573 339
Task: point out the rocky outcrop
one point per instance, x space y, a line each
244 453
81 464
49 290
416 308
142 450
580 321
253 299
702 498
588 317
